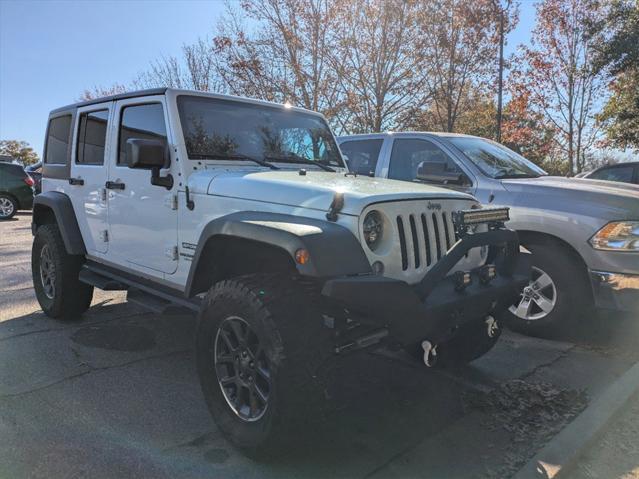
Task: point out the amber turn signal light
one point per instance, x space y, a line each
302 256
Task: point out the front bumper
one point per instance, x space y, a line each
433 308
615 290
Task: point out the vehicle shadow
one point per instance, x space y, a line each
127 373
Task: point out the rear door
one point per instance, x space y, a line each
89 172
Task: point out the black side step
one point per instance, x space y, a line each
157 298
155 303
102 282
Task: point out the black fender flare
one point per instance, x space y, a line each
333 249
62 208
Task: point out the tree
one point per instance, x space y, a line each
557 71
620 115
19 150
527 132
459 42
195 70
378 64
619 54
99 92
284 56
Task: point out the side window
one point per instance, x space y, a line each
58 140
92 137
618 173
140 121
412 158
362 155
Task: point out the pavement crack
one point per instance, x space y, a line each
92 369
548 364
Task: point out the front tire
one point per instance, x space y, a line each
261 346
556 296
55 276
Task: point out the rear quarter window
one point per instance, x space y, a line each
57 145
14 171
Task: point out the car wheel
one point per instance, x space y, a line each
55 276
556 295
8 207
261 346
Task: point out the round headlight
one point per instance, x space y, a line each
373 229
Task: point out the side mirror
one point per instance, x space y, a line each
436 173
149 154
141 153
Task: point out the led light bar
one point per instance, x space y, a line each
475 217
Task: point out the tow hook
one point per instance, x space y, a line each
430 353
492 326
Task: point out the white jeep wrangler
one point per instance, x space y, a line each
244 212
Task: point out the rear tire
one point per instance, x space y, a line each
556 297
8 207
55 276
261 351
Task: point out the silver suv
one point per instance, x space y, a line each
584 234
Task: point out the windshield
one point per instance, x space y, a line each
215 128
495 160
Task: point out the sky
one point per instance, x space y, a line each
51 51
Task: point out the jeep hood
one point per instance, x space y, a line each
315 190
595 198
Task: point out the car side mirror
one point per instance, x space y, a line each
142 153
436 173
149 154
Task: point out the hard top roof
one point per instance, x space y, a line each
175 91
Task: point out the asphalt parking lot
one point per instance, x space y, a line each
116 395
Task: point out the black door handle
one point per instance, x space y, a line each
76 181
114 185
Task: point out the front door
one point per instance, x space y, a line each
142 216
89 173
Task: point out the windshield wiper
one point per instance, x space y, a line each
241 157
293 158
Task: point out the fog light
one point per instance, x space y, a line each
462 279
378 268
487 273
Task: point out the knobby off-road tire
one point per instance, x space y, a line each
277 322
568 292
470 342
8 207
55 276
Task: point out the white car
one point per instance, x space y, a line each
244 212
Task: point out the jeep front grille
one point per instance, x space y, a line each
424 238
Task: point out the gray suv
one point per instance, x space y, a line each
584 234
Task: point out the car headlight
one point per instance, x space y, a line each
373 229
617 236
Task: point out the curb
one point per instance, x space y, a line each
566 446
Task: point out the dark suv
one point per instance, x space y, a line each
16 191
